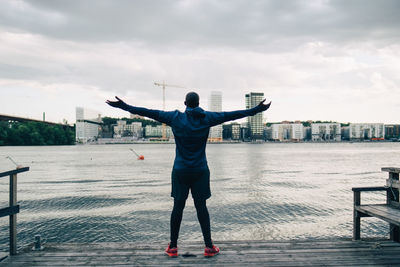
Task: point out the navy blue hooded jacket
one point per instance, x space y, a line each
191 130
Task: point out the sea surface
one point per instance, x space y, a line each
271 191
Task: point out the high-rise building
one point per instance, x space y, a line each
215 104
87 125
255 122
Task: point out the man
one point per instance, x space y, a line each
190 170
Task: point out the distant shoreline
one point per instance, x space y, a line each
121 142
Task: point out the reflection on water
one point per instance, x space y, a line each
263 191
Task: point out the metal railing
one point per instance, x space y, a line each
13 208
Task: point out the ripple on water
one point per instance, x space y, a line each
72 203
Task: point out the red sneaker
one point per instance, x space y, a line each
171 252
209 252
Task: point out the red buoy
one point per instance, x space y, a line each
141 157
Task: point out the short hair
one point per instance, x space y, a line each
192 100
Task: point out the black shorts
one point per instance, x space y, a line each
197 180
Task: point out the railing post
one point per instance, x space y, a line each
394 196
13 217
356 216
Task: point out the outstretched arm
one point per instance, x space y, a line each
155 114
220 117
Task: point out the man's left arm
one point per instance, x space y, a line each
221 117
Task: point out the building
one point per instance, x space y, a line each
156 131
122 129
326 131
88 125
255 123
366 131
392 131
215 104
281 131
231 131
297 132
287 131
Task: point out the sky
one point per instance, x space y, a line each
315 60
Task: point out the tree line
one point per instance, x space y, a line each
35 134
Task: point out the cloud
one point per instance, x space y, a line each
309 57
258 23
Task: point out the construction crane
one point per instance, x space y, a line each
163 85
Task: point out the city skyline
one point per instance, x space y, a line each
319 60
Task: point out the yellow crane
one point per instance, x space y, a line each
163 85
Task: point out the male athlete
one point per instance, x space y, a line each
190 170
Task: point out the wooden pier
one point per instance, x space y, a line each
233 253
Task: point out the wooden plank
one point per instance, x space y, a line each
9 211
234 253
381 211
12 172
370 188
391 169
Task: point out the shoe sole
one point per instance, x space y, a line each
172 255
210 255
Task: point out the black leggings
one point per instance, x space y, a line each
202 215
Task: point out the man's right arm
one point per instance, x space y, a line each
158 115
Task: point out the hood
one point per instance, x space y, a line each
197 112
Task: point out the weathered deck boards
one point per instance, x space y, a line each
233 253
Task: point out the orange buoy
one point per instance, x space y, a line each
141 157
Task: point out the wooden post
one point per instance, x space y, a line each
393 195
356 216
13 217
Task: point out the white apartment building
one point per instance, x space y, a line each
255 122
123 129
287 131
87 125
281 131
362 131
156 131
297 131
215 104
326 131
235 131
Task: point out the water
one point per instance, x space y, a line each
259 191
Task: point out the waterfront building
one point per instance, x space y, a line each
122 129
231 131
345 132
281 131
244 132
235 131
156 131
255 123
287 131
297 132
392 131
88 125
307 133
365 131
326 131
215 105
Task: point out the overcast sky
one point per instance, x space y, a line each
316 60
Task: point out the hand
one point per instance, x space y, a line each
116 104
264 106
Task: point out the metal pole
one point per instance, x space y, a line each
13 217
